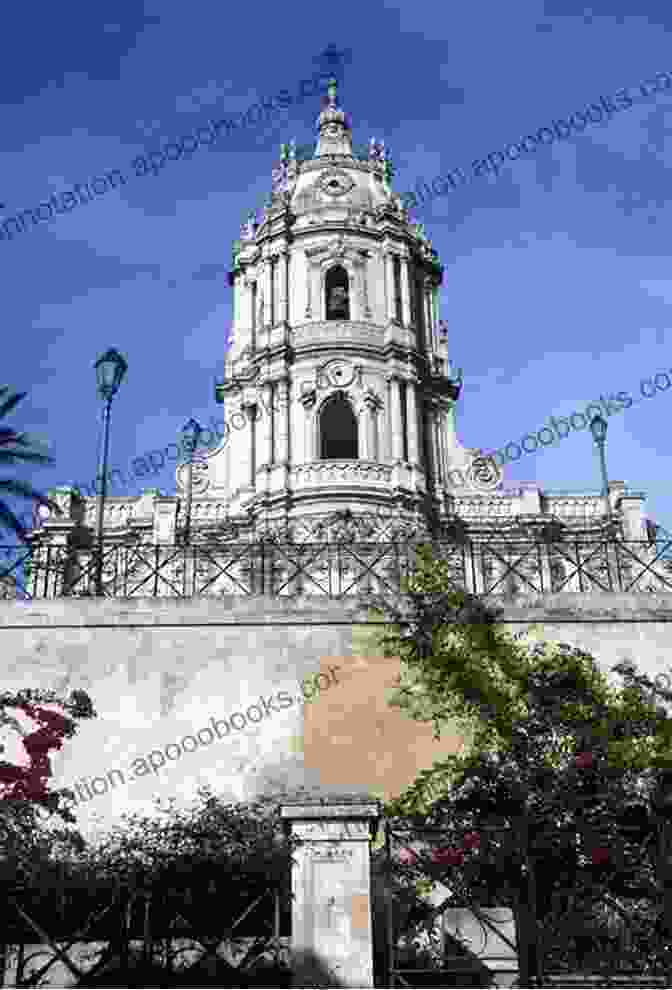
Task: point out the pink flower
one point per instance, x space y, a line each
471 840
407 857
9 774
448 856
41 742
584 761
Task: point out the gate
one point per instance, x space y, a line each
585 932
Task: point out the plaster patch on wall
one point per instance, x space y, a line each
354 738
360 912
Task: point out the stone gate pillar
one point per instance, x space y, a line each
332 942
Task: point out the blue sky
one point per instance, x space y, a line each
556 282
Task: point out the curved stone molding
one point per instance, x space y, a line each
341 472
200 481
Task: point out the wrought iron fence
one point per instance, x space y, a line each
104 932
490 565
544 934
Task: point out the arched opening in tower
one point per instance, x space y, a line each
338 430
337 291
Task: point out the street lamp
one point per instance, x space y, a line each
598 427
110 371
191 431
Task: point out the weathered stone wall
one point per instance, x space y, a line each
165 676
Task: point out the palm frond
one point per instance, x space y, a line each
8 436
11 402
15 448
27 456
22 488
9 521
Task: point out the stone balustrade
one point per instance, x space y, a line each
351 473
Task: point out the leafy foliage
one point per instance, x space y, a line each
203 874
561 791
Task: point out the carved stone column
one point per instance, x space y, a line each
309 288
429 449
412 423
387 422
405 292
429 321
389 285
272 421
372 406
246 310
363 288
280 278
264 427
268 293
434 444
284 401
307 400
396 422
247 444
332 938
285 274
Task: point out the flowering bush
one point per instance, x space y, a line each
20 784
448 856
560 782
407 857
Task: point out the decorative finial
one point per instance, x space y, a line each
332 88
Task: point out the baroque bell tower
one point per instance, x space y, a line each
338 393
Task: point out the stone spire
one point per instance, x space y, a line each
334 127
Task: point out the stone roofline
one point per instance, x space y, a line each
154 517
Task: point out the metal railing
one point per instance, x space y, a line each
491 565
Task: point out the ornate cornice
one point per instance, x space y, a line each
333 332
336 161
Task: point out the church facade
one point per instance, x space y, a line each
338 361
338 382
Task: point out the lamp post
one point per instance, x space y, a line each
191 431
598 427
110 371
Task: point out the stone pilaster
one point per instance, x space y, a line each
246 446
396 421
436 446
308 400
429 316
309 288
405 292
332 943
165 519
631 506
389 285
372 405
264 428
412 423
268 294
284 402
284 265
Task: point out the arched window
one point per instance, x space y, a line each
337 294
338 430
